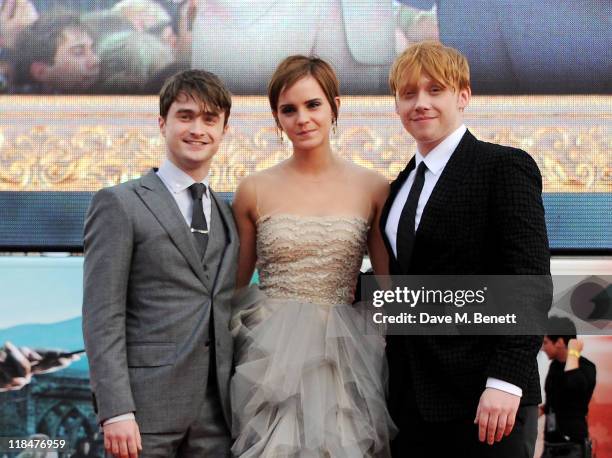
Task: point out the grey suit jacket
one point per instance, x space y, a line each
146 307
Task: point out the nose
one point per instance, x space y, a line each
197 127
302 117
422 102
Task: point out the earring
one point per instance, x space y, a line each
334 126
280 135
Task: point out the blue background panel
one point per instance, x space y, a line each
53 221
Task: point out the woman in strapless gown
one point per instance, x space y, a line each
310 376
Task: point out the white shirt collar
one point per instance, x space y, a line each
176 179
438 157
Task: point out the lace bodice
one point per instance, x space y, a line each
315 258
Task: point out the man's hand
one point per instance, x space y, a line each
122 439
575 344
15 367
187 14
15 16
48 361
574 348
496 414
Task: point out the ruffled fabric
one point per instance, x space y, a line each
310 381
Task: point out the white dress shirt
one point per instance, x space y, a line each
435 161
178 183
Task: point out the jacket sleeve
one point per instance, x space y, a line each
108 243
518 220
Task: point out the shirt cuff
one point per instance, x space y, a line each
504 386
124 417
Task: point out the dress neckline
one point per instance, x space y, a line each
294 216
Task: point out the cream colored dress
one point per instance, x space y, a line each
311 374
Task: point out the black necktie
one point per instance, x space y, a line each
405 228
199 228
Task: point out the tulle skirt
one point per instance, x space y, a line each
310 381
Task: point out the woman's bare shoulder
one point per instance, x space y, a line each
368 177
260 177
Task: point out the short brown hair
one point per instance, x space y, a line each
204 87
444 64
294 68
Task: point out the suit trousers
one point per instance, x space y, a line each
207 437
459 438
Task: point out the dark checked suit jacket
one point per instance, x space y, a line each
485 216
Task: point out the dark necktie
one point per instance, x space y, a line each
199 228
405 228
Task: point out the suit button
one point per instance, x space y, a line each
207 343
205 268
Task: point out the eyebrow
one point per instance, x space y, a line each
199 113
307 101
412 87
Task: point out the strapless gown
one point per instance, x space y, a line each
310 375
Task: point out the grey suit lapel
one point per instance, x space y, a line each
232 238
158 199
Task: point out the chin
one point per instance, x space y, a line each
197 158
309 143
424 139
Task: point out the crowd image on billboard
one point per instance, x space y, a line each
130 46
93 47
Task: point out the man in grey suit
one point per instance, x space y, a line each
160 261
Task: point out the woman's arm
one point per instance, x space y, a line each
376 246
245 213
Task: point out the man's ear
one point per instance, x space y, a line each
162 125
39 72
465 96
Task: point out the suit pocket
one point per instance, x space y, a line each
151 354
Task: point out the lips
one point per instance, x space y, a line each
195 142
306 132
423 118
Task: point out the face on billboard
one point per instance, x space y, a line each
75 67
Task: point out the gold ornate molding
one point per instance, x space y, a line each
85 143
